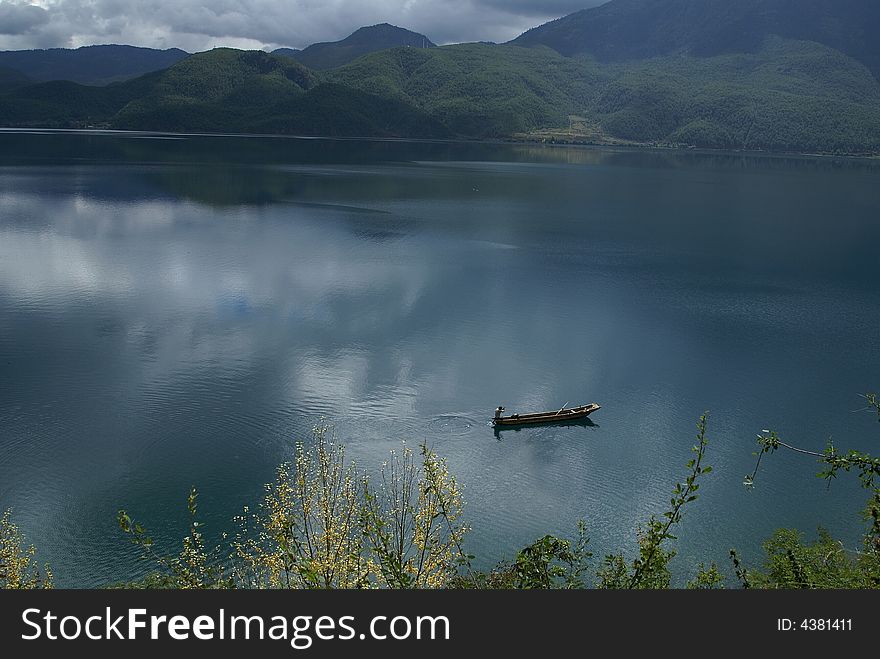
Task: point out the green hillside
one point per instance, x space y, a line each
61 104
786 96
790 96
479 90
223 90
212 91
252 91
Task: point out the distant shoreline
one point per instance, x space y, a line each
512 140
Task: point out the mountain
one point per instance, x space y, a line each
89 65
12 78
639 29
658 81
222 90
477 90
787 96
329 55
287 52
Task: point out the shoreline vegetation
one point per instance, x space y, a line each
544 138
324 524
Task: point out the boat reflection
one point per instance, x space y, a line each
585 422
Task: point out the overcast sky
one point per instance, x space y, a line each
196 25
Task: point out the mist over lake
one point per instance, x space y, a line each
179 310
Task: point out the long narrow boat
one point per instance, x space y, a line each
565 414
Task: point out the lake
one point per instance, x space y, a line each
178 310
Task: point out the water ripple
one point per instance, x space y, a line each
453 424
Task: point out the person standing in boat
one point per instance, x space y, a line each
498 412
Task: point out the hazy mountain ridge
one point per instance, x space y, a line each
329 55
12 78
89 65
639 29
104 64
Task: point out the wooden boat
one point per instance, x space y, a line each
564 414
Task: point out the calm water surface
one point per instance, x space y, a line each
177 312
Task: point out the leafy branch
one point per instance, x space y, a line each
194 567
824 564
682 494
650 569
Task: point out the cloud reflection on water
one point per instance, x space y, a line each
171 325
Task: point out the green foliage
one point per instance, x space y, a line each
707 579
18 569
651 568
412 523
324 525
825 563
740 571
833 461
548 563
551 562
307 533
193 568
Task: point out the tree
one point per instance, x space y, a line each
412 523
323 525
18 569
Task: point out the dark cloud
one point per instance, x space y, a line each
201 24
551 7
18 18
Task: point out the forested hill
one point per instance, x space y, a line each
329 55
641 29
220 90
787 96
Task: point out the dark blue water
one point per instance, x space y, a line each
178 312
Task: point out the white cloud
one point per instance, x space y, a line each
21 18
